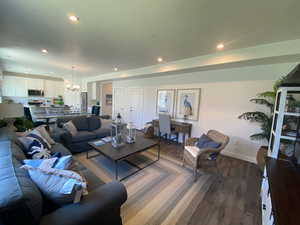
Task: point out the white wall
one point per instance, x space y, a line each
225 95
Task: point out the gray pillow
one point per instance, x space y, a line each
206 142
69 126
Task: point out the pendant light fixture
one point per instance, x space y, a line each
72 86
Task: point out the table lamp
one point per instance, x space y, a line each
10 111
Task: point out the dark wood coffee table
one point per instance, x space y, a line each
121 154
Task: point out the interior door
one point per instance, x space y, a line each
119 102
135 106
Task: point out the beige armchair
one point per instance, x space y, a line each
192 154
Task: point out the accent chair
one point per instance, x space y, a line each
192 154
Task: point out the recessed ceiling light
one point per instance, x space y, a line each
159 59
44 51
220 46
74 18
115 69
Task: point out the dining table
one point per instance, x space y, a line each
47 117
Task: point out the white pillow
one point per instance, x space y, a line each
45 134
60 186
69 126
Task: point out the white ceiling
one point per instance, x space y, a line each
130 34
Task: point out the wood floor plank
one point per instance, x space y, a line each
227 192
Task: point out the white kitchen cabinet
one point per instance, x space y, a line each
49 88
14 86
94 91
60 88
53 89
35 84
21 87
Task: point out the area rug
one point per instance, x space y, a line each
162 194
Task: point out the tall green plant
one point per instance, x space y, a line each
267 99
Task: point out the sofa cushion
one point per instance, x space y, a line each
81 123
20 200
94 123
83 136
102 132
17 152
7 134
58 147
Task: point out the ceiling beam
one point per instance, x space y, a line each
43 77
279 52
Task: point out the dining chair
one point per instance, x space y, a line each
165 129
96 110
28 116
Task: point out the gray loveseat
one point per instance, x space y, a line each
89 128
21 202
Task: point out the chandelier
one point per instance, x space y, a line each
72 86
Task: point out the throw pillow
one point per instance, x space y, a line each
45 134
62 163
206 142
40 163
37 135
60 186
33 148
69 126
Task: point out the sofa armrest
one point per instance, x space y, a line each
66 137
101 206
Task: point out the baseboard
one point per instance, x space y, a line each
240 156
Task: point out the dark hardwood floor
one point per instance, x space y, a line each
233 198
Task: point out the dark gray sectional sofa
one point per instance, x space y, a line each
89 128
22 203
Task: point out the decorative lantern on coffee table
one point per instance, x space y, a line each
118 134
131 133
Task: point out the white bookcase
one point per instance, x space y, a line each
278 136
281 112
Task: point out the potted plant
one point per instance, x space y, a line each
23 125
267 99
60 100
265 120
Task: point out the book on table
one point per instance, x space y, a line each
99 143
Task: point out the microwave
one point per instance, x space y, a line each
32 92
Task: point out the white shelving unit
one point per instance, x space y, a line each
277 137
280 113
